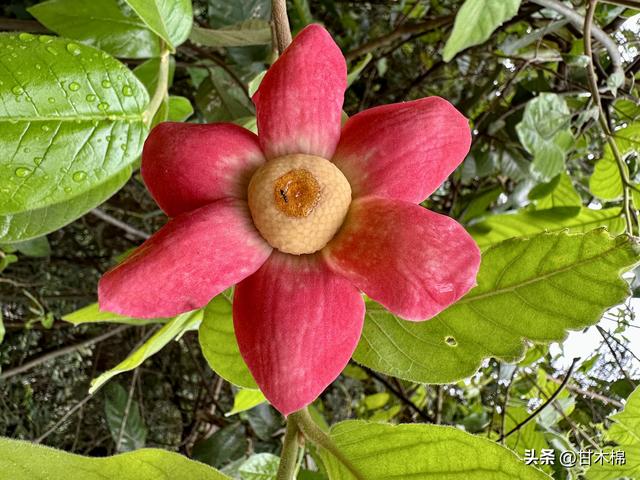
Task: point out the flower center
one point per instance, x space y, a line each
298 202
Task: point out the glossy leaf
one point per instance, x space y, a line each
422 452
105 24
224 13
559 192
475 21
21 460
496 228
535 289
261 466
158 340
170 19
180 109
29 224
625 432
219 344
224 446
72 122
249 32
220 100
124 416
545 133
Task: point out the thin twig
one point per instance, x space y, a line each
64 418
281 24
11 372
548 402
615 357
127 409
403 398
119 223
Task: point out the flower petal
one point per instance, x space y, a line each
403 150
190 260
413 261
297 324
299 102
186 166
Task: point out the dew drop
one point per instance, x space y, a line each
52 50
45 128
38 66
79 176
22 172
103 106
73 48
37 160
91 97
52 100
17 90
26 149
127 91
73 86
44 39
106 84
67 189
123 147
451 341
25 37
109 138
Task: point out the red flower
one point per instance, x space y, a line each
339 205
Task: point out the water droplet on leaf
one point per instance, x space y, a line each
73 48
106 84
37 160
26 37
17 90
103 106
73 86
91 97
79 176
127 91
22 172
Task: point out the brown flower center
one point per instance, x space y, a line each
296 193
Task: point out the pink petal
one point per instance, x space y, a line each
413 261
186 166
190 260
403 150
297 324
299 102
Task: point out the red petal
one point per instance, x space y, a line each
297 324
413 261
186 166
186 263
299 102
403 150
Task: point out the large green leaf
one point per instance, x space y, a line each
534 289
106 24
170 19
605 181
219 344
496 228
559 192
26 461
224 13
245 399
260 466
626 433
422 452
475 22
162 337
72 120
20 226
249 32
545 133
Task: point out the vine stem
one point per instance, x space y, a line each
161 88
281 24
288 458
314 433
602 118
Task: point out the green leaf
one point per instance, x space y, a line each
626 433
496 228
249 32
219 345
245 399
92 314
134 431
356 70
170 19
224 446
223 12
72 120
422 452
180 109
475 22
535 289
559 192
545 133
106 24
605 181
221 100
527 437
174 328
36 247
21 460
261 466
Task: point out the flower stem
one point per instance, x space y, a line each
161 88
314 433
281 24
288 458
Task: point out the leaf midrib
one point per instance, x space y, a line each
542 277
87 118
